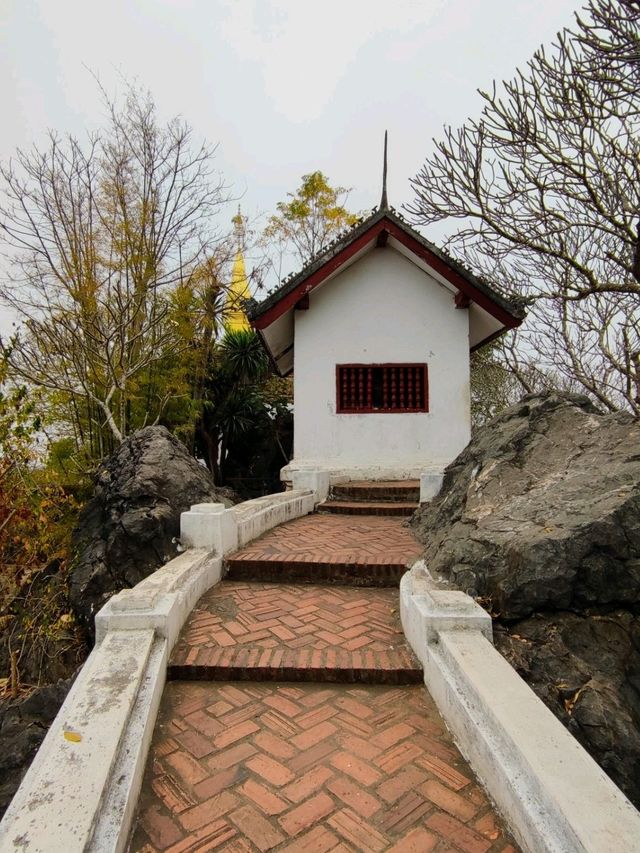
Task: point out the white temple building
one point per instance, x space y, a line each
378 331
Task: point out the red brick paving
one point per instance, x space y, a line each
321 538
242 767
258 767
257 631
327 548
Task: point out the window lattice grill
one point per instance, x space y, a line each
382 388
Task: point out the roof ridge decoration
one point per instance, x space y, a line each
351 234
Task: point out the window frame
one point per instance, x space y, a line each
372 410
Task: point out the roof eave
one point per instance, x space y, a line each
507 313
315 264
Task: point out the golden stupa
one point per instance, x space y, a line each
238 293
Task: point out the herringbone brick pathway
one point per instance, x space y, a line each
324 768
238 767
327 548
257 631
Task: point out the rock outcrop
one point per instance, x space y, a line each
586 668
131 525
539 519
23 726
541 510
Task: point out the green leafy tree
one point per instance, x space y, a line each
196 308
256 456
243 406
314 215
231 401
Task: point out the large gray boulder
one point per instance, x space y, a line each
539 519
541 510
586 669
23 726
131 525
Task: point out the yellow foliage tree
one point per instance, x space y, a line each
311 219
100 235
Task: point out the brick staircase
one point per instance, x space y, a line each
373 497
263 624
329 549
310 729
281 632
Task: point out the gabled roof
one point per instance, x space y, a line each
491 313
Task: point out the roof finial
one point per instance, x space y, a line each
384 202
238 226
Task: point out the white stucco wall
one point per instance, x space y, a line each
382 309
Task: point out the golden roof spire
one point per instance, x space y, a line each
238 291
238 226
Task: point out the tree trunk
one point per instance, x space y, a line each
211 445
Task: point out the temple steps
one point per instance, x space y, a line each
358 572
368 507
373 497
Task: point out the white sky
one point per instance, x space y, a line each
283 86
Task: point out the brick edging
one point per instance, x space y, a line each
319 675
330 574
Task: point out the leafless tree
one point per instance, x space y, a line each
98 235
546 188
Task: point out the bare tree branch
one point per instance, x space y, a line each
545 186
99 235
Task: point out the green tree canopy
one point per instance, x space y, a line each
243 404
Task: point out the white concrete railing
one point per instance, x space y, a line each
319 480
553 795
430 485
223 530
81 791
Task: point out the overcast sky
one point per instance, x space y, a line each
283 86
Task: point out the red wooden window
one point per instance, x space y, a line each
384 388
